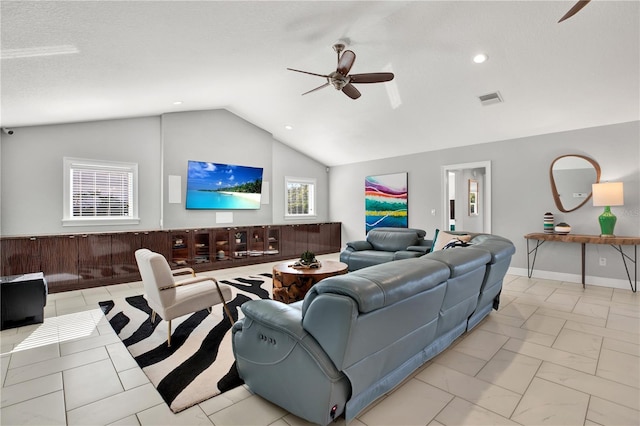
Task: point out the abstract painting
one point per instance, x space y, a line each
385 198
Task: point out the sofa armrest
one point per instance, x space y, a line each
423 246
181 271
359 245
420 249
280 361
277 315
270 331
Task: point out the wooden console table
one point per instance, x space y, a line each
615 242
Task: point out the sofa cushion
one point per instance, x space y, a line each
480 238
407 254
382 285
499 249
419 232
424 248
360 245
391 241
364 258
460 261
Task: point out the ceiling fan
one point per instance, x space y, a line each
575 9
342 80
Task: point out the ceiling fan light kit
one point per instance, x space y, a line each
340 79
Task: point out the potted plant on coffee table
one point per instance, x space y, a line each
308 260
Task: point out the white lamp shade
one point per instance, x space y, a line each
608 194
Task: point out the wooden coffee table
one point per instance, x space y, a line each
291 284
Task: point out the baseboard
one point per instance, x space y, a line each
572 278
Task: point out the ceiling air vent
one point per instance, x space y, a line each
490 98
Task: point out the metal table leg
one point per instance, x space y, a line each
583 253
535 254
634 284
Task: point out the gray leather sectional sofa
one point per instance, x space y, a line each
355 337
384 245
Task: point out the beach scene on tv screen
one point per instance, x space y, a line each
223 186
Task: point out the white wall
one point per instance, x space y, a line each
288 162
32 171
31 175
31 179
216 136
521 192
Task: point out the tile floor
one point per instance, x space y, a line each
554 354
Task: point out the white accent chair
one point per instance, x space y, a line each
172 297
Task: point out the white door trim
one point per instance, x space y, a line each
487 195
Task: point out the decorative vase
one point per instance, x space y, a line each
563 228
221 254
548 223
607 222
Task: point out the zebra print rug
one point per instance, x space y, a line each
199 364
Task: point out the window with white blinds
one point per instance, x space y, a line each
100 192
300 197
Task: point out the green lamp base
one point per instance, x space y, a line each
607 222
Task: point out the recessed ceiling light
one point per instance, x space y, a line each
288 127
177 103
480 58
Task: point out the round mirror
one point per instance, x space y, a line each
571 180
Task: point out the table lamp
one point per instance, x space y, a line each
607 194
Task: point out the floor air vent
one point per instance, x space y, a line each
490 98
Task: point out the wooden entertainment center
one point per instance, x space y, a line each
78 261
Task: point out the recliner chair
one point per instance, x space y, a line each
385 244
172 297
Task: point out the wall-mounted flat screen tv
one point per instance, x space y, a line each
223 186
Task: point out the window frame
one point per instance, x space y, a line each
68 219
312 202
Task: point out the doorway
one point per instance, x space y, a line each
466 197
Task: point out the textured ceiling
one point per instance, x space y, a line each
136 58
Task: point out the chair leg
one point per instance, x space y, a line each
169 335
226 309
224 303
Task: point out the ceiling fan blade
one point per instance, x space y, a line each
575 9
372 77
345 62
351 91
317 88
307 72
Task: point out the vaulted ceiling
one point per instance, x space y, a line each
93 60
